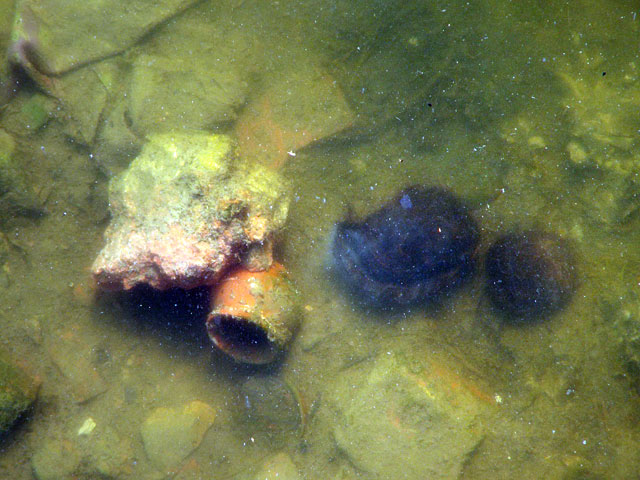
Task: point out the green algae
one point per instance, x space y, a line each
17 392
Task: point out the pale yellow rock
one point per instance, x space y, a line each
577 153
171 434
537 141
278 467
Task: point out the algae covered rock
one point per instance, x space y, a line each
82 450
177 91
190 75
170 435
184 211
56 36
399 420
278 467
270 409
623 314
55 460
17 392
603 114
16 197
7 169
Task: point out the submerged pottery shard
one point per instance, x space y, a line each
184 211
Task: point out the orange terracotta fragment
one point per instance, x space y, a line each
254 314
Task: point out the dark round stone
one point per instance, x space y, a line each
530 275
417 246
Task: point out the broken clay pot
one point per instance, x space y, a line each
254 314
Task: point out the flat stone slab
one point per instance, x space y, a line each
299 107
17 392
190 75
402 421
71 354
278 467
171 434
65 34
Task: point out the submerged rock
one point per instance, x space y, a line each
16 195
278 467
271 409
72 355
209 94
399 420
622 313
55 460
185 211
170 434
86 450
46 43
17 392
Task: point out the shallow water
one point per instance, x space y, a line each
527 113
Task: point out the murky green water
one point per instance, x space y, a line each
528 113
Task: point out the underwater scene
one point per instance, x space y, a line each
304 239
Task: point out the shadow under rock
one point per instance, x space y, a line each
174 315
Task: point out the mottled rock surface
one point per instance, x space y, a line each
55 460
85 449
300 106
202 102
67 34
171 434
184 211
72 356
17 392
16 195
278 467
622 315
400 421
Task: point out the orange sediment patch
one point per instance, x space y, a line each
84 292
459 383
295 111
457 388
444 387
191 468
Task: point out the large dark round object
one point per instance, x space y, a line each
415 247
530 275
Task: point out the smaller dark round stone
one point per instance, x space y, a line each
530 275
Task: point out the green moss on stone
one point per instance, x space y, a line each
17 392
